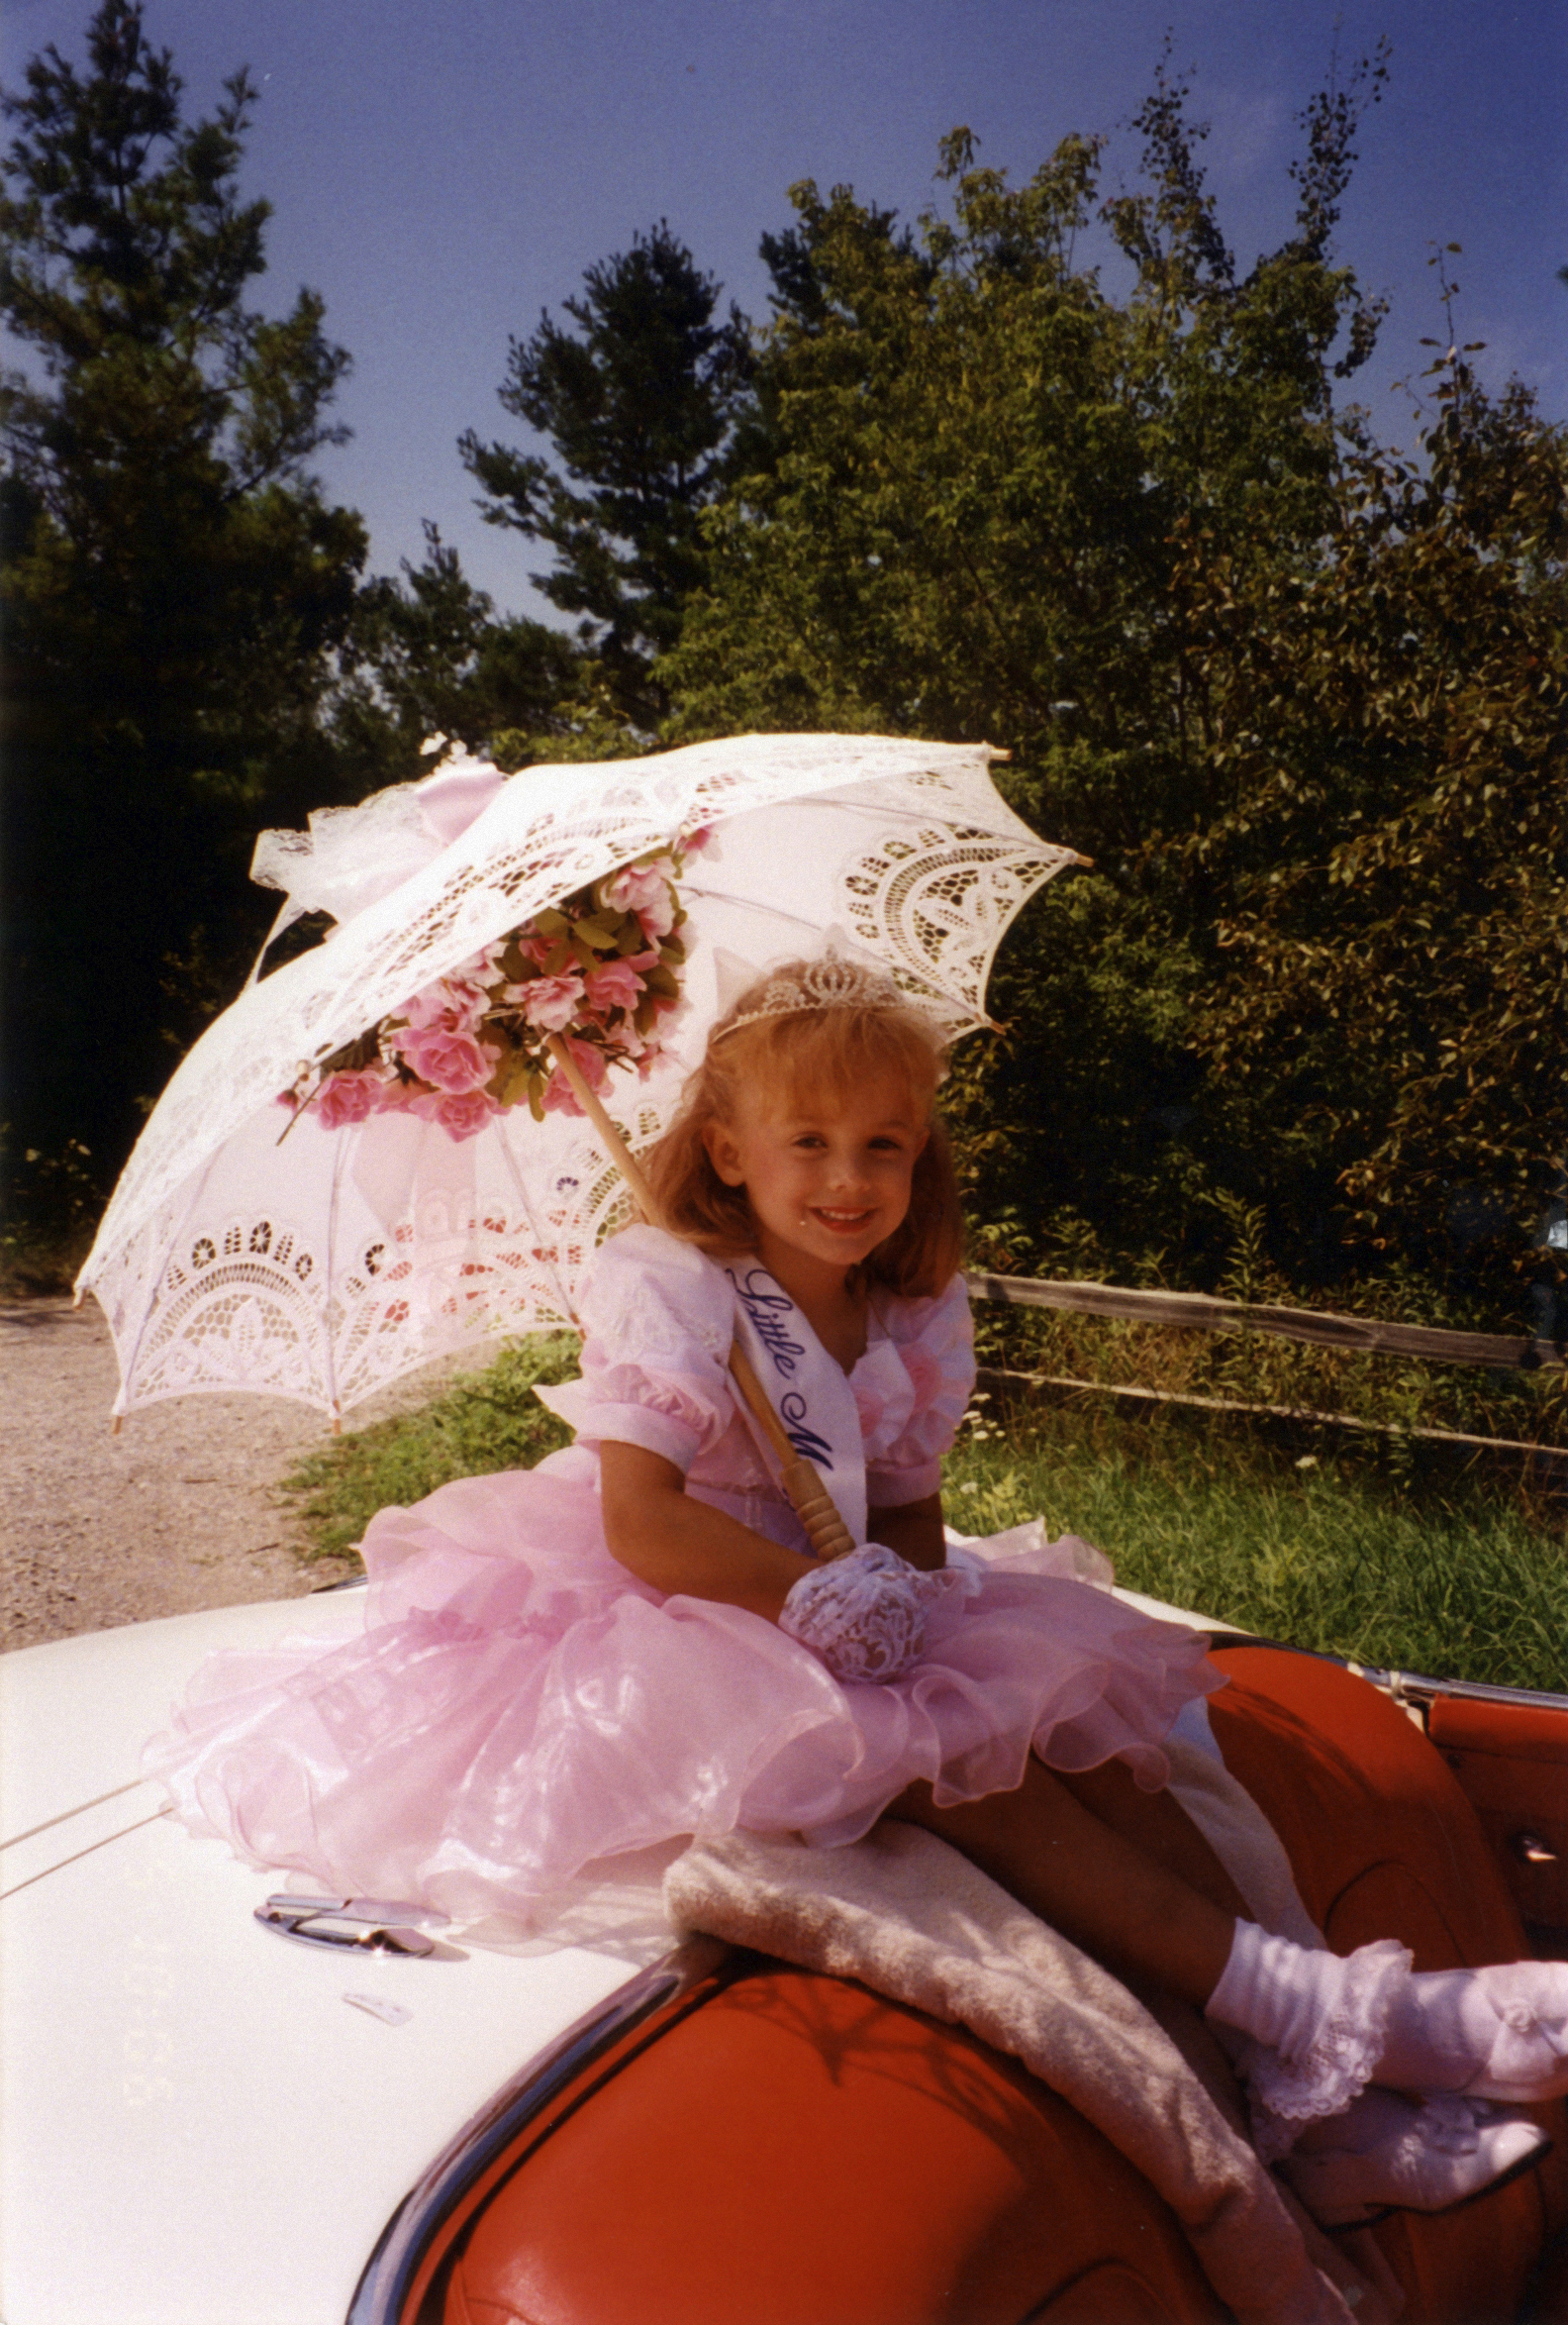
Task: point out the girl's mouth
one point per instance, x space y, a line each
843 1222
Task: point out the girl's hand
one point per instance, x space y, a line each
863 1615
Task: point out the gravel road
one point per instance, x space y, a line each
178 1511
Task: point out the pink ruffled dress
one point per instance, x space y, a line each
520 1708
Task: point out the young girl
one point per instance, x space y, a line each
632 1642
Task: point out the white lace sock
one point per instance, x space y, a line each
1318 2023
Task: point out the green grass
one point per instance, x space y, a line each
1459 1574
489 1420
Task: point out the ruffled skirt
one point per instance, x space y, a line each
518 1708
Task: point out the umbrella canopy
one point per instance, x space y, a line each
325 1266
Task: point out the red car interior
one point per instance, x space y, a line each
786 2148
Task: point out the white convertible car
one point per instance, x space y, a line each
347 2117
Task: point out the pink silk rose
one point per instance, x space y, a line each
346 1098
538 949
461 1114
453 1003
617 985
550 1002
590 1064
451 1060
643 888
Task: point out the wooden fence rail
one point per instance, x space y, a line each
992 1377
1318 1328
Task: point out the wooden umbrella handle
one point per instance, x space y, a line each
825 1530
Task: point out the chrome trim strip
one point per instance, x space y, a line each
1406 1687
1414 1687
12 1840
60 1863
401 2245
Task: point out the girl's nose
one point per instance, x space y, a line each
849 1175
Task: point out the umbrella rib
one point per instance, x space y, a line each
753 905
540 1244
329 1350
127 1366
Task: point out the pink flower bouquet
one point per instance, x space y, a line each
601 970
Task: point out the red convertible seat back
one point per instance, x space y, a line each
1385 1844
800 2151
795 2150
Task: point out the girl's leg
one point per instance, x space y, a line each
1128 1878
1130 1882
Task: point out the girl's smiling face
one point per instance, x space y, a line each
827 1181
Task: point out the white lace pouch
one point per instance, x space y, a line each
863 1615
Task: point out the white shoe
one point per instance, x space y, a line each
1500 2033
1421 2158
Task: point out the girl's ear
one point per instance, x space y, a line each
723 1153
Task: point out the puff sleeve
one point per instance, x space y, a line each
657 1321
933 1341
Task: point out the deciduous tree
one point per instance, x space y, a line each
989 471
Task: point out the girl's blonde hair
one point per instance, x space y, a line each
814 1054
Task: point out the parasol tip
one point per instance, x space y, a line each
117 1424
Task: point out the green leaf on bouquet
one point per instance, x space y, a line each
513 1079
601 930
354 1055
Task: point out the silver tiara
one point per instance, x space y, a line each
829 984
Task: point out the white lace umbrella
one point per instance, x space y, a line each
325 1268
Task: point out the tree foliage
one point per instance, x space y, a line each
639 402
428 654
1127 532
174 582
1397 969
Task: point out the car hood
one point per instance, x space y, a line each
200 2128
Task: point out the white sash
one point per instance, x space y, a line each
809 1391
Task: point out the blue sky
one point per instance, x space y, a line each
442 169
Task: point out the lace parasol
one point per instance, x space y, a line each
325 1268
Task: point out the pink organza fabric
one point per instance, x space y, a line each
520 1707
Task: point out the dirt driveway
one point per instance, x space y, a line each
178 1511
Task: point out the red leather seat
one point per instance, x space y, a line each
799 2151
1384 1843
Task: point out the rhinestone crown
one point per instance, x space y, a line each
829 984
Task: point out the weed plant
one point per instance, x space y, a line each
1383 1554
